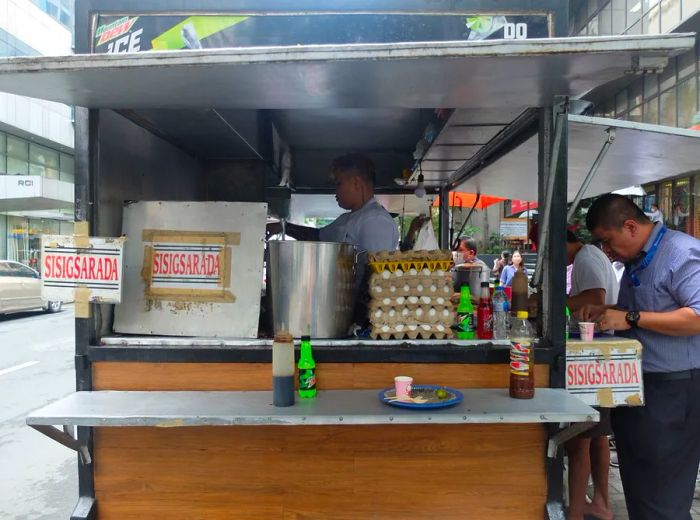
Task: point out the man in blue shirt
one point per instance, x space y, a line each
659 305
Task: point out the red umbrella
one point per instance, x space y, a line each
459 199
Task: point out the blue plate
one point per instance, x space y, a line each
427 391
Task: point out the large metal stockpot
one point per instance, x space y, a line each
311 287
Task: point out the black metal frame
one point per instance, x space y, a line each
87 185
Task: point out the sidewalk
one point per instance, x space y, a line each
617 498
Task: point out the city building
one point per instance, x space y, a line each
36 137
670 98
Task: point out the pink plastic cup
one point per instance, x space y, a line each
403 387
586 328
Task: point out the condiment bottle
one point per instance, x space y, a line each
307 370
522 358
465 322
520 293
283 369
484 329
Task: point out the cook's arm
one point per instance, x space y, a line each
294 231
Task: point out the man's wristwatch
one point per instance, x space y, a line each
632 318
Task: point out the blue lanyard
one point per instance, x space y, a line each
647 258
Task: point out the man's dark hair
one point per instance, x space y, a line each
611 211
357 164
571 237
505 255
469 243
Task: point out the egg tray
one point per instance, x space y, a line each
410 302
405 265
419 333
412 278
410 256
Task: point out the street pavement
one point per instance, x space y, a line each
38 477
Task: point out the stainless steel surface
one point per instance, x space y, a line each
311 287
642 153
335 76
339 407
167 341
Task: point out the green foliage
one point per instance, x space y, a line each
494 244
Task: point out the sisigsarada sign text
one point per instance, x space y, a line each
192 266
81 268
606 372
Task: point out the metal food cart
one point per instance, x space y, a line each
181 427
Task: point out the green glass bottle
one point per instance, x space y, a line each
466 320
307 370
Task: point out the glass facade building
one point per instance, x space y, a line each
20 231
671 98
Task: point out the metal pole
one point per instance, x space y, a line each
560 121
591 173
444 217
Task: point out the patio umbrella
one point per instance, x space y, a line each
459 199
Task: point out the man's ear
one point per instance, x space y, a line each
632 226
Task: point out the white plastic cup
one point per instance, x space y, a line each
403 387
586 328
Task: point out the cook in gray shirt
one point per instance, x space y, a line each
366 225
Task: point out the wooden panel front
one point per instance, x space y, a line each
326 472
331 376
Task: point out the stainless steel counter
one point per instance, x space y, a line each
341 407
331 407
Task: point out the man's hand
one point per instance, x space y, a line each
590 312
612 319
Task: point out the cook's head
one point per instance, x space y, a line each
354 176
620 225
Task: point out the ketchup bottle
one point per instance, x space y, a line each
484 314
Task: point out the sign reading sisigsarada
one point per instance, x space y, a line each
606 372
193 266
81 268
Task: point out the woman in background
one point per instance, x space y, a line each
510 270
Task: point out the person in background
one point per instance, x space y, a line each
655 215
500 263
509 270
465 257
658 444
679 217
593 282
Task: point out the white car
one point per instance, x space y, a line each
20 289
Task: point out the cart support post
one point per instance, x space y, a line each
445 217
552 259
86 162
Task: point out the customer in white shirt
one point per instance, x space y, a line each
592 280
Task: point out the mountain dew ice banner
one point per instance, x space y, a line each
117 34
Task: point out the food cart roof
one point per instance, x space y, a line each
640 153
408 75
201 100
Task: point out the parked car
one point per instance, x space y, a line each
20 289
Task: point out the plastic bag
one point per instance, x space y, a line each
426 238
